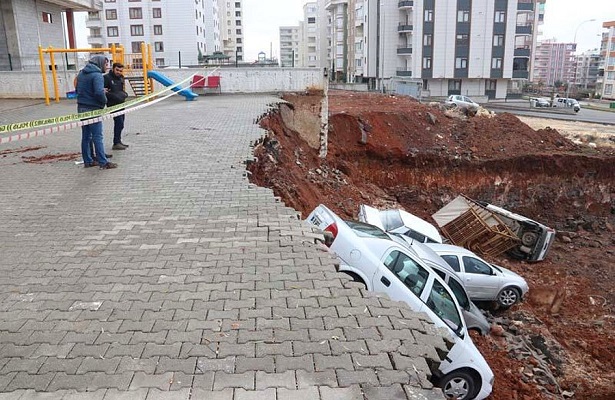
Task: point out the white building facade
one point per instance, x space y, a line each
231 29
470 47
606 74
290 44
180 32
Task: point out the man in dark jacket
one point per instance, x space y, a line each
114 83
91 96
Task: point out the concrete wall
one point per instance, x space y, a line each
28 84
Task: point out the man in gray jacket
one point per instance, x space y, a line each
91 96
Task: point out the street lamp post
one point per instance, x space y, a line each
574 40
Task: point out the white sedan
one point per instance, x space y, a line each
463 102
370 255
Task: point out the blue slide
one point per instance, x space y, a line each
187 93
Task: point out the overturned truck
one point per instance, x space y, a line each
491 230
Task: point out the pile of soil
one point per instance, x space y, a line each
389 151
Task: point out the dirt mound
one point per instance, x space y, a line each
393 151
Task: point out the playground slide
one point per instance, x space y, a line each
187 93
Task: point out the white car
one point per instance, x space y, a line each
566 103
474 317
463 102
370 255
482 280
402 222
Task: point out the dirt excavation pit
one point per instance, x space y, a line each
390 151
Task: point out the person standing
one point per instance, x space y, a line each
114 83
91 96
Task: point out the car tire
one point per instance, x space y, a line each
529 238
508 296
458 385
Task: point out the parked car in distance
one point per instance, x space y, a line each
400 221
564 102
370 255
482 280
475 319
540 102
462 102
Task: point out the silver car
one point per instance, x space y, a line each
482 280
463 102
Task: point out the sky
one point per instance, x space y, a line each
262 19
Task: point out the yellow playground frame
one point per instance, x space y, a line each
117 55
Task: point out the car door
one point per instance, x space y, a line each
479 278
401 277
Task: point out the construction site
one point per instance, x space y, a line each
394 152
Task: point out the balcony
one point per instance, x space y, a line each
403 72
525 6
93 22
405 51
522 52
520 74
404 28
403 5
332 3
95 39
524 30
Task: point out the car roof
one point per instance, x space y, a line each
449 248
419 225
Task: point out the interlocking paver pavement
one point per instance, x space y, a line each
173 277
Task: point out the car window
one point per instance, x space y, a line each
440 273
366 230
453 261
441 303
460 293
415 235
475 266
467 99
408 271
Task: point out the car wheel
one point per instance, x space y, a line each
529 238
508 296
458 385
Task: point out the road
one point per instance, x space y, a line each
585 115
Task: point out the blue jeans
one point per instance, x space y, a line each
92 133
118 125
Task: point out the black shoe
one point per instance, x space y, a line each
90 165
108 165
124 144
119 146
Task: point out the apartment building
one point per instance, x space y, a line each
476 48
26 24
554 62
180 31
586 69
606 73
231 29
290 39
310 36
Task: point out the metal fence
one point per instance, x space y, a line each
31 61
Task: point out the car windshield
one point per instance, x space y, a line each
366 230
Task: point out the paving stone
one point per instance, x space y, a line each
266 364
107 365
310 393
114 394
156 394
323 362
348 378
347 393
223 380
307 379
160 381
284 348
202 394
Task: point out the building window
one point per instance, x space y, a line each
157 29
238 22
109 1
427 40
238 13
237 4
426 62
159 62
47 17
454 84
239 49
238 31
462 40
239 41
461 63
311 20
157 12
491 84
463 16
134 1
136 30
608 89
498 40
358 62
428 15
111 14
158 47
113 31
135 47
496 63
500 16
135 13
